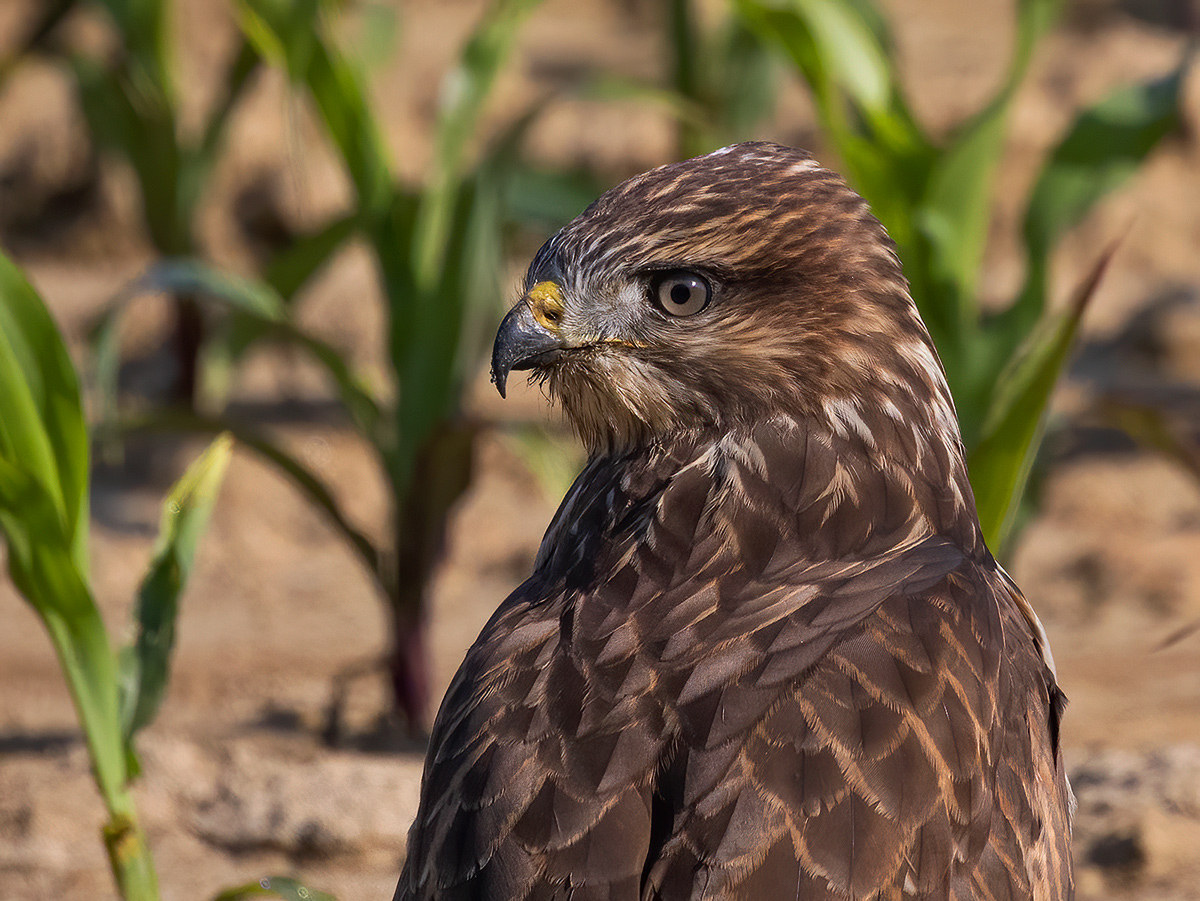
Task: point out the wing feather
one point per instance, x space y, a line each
673 718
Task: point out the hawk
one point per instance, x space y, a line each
764 652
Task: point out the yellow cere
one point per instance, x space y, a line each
546 303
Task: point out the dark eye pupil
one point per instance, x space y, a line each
680 293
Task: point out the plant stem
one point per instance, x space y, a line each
95 698
682 37
408 667
128 853
441 472
188 338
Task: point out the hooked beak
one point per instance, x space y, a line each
529 334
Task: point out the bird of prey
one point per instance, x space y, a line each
764 652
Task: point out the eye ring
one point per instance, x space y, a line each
680 293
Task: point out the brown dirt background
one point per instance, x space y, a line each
237 783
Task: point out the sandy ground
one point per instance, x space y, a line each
237 783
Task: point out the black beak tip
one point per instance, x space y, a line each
500 380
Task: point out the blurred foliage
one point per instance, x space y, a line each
44 477
438 242
935 198
438 246
132 104
720 81
724 72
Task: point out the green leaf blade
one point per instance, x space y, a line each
41 414
41 562
43 518
264 308
1103 148
1000 463
185 516
288 34
304 479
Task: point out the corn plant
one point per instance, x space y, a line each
44 521
131 102
934 196
718 86
438 249
723 76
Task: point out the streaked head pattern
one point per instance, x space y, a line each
714 292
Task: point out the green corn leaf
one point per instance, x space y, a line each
1000 463
399 278
237 77
466 88
303 478
256 22
877 26
723 79
686 77
473 276
747 87
139 123
197 161
482 257
287 274
545 199
145 665
953 218
831 38
284 32
277 886
428 373
43 570
103 376
958 204
785 28
452 234
464 91
144 26
336 87
262 306
41 416
291 269
376 36
610 88
1104 147
43 513
188 276
454 321
842 52
342 99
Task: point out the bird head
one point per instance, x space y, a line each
715 292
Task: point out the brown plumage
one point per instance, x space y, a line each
764 652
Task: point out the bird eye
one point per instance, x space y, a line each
682 293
